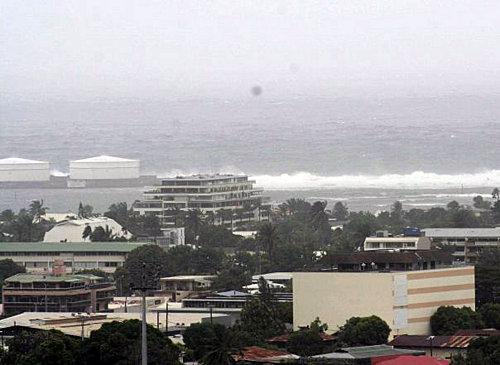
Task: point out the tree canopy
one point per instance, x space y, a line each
364 331
447 320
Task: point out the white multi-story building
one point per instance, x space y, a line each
207 193
468 242
397 243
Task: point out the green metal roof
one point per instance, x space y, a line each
30 278
68 246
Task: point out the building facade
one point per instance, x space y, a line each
397 243
39 257
210 194
405 300
49 293
467 242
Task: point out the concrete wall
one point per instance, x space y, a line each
335 297
428 290
405 300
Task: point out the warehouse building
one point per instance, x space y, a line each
404 300
104 168
23 170
41 257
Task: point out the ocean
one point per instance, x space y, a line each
365 152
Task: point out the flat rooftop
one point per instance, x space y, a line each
462 232
10 247
197 177
34 278
71 325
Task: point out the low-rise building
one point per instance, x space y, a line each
39 257
73 324
51 293
72 230
397 243
467 242
182 286
405 300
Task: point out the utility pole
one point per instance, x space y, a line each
144 342
166 316
144 288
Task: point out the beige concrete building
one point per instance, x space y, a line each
405 300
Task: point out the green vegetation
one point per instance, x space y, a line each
364 331
43 348
7 269
481 351
448 320
26 225
115 343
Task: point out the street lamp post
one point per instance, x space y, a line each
431 342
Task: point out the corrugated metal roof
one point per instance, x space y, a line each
7 247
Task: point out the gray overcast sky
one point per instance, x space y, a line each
86 48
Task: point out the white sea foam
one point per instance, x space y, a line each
414 180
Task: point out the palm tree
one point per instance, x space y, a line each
210 217
268 235
193 220
220 216
249 209
37 209
318 214
221 347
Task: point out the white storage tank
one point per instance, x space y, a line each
20 169
104 168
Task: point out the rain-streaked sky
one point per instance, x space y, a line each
149 49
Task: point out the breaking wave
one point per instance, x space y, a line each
414 180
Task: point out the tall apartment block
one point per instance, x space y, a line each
207 193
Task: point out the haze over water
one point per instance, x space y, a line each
357 96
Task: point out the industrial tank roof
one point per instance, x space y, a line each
18 161
104 158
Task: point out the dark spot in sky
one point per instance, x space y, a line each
256 90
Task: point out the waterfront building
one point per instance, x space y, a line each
468 242
218 195
55 293
23 170
404 299
71 230
40 257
